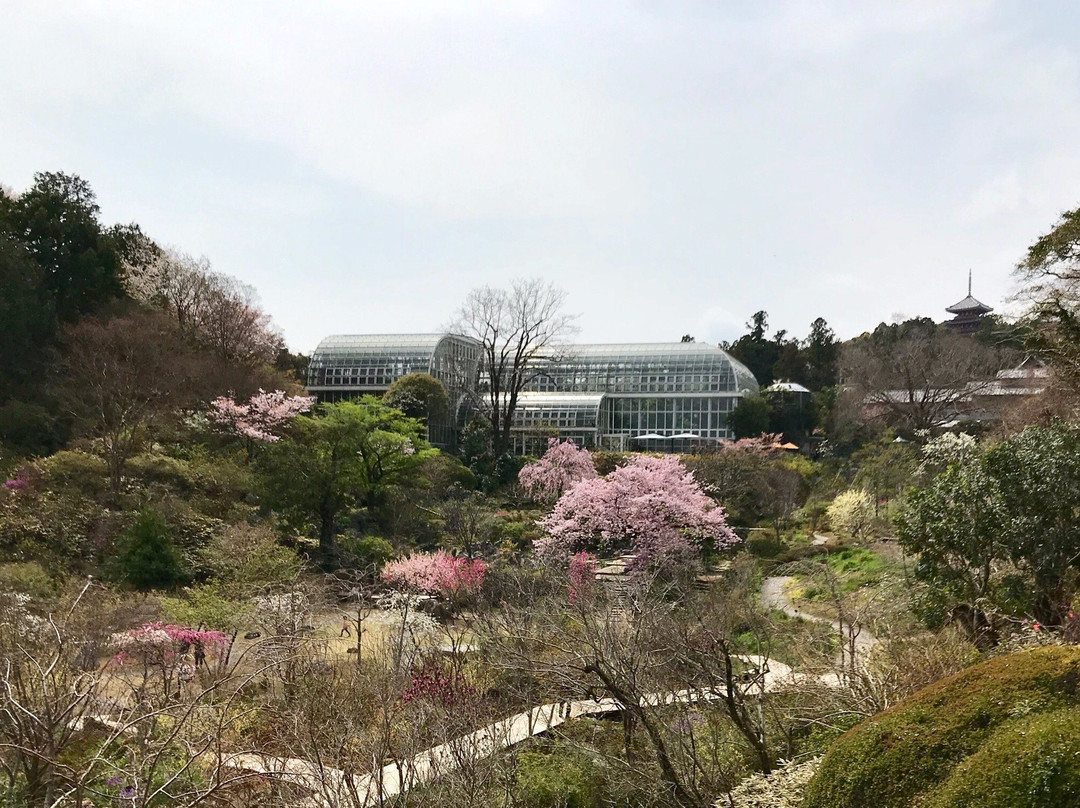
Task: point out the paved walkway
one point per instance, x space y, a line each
773 596
333 787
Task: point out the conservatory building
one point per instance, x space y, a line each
353 365
656 396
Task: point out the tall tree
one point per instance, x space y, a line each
57 220
515 327
1050 273
754 350
916 375
821 351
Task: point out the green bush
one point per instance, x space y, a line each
147 557
364 552
30 578
1031 763
562 778
77 473
909 754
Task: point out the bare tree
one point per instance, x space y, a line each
76 731
210 308
916 375
516 328
124 375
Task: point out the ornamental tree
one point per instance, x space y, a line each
851 513
563 464
582 579
437 573
652 507
262 418
345 456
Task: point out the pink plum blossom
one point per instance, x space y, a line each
652 507
582 578
158 641
562 465
437 573
262 417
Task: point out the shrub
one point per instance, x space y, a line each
561 779
910 754
1031 764
147 558
850 514
29 578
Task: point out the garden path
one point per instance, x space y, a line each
774 596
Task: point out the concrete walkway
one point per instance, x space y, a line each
774 596
334 788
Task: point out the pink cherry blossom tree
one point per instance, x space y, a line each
262 418
437 573
652 507
562 465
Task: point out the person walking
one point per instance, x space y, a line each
345 632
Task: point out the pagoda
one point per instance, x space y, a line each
967 313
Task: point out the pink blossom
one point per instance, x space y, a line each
562 465
158 641
652 506
262 417
582 578
437 573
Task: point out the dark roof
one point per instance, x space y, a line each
968 304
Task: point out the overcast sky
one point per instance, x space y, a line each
674 166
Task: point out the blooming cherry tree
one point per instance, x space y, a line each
562 465
437 573
652 507
262 417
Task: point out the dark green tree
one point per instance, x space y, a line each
420 396
750 418
57 221
147 557
27 318
755 350
821 352
342 457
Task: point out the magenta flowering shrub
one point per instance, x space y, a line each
651 507
582 579
23 480
437 573
562 465
262 417
155 643
431 681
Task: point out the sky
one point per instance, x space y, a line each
673 166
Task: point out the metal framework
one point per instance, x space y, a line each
652 395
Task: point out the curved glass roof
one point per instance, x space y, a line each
656 367
372 361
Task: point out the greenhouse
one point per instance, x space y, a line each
352 365
658 396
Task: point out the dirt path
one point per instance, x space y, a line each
773 596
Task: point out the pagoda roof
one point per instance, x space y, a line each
969 304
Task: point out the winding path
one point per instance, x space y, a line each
333 787
773 596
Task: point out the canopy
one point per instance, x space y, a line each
686 436
649 436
